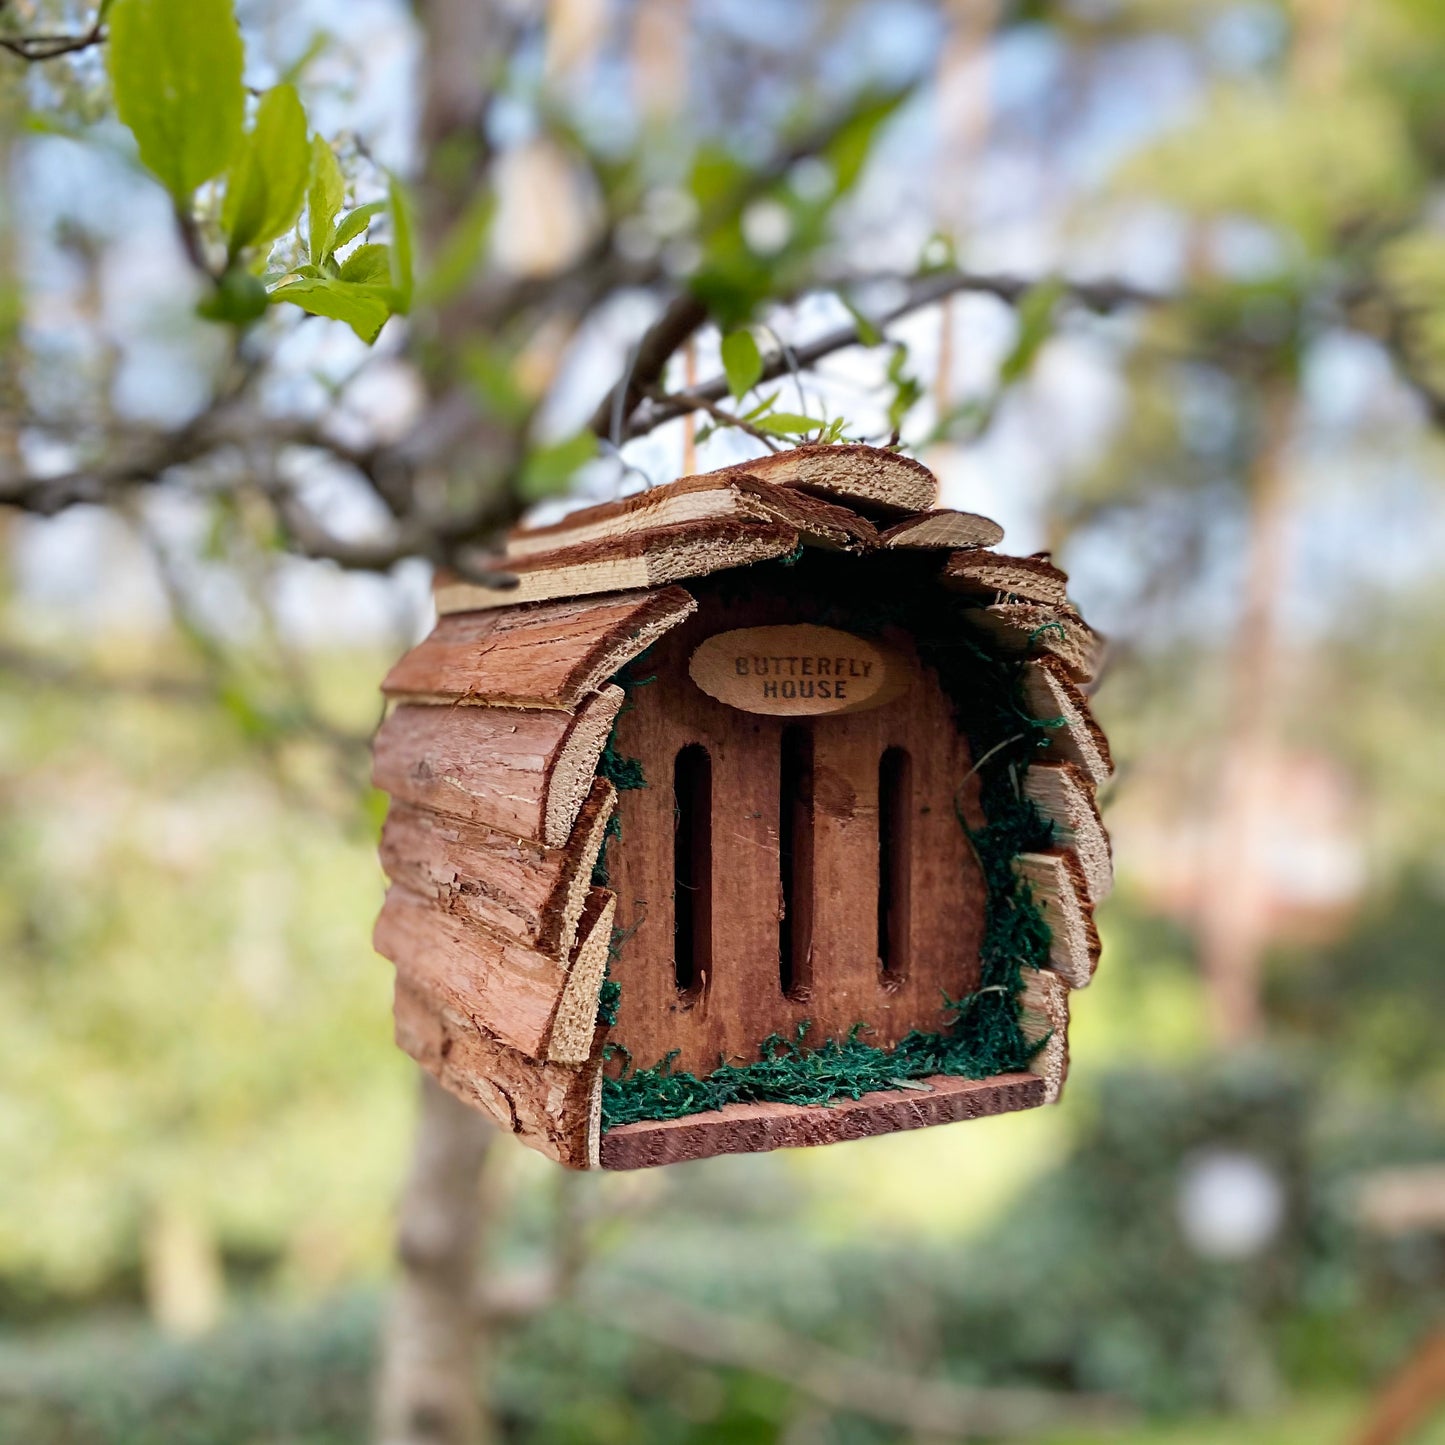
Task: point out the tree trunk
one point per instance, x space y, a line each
1233 919
428 1391
429 1382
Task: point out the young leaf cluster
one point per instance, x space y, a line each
176 70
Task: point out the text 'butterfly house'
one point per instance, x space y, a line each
759 813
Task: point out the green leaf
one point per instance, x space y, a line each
398 207
175 67
907 390
716 180
742 361
788 423
355 222
491 371
1036 325
766 404
363 308
268 182
239 298
368 265
868 333
461 251
323 200
548 469
850 148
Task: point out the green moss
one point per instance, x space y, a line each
609 999
622 772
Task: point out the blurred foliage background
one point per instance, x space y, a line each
1234 1226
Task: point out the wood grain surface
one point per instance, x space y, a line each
1029 629
1063 793
695 501
1062 893
991 574
1044 1014
943 530
856 475
797 670
753 1128
620 564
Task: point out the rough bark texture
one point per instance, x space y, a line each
512 770
550 656
517 889
553 1108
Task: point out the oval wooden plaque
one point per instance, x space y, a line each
798 670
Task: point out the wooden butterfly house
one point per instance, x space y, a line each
760 812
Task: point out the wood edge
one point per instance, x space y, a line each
755 1128
576 763
1044 1012
1064 793
985 531
819 522
575 1024
467 1061
968 571
584 847
1083 740
786 468
754 500
600 513
1037 629
1058 882
643 560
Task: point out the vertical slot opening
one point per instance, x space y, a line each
795 863
895 815
692 868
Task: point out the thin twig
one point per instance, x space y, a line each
693 402
48 47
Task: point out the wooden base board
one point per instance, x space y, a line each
755 1128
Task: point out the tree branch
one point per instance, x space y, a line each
682 316
48 47
844 1382
1102 296
693 402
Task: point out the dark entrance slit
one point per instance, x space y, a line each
895 813
795 863
692 869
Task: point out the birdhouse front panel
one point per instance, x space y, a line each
759 811
791 868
